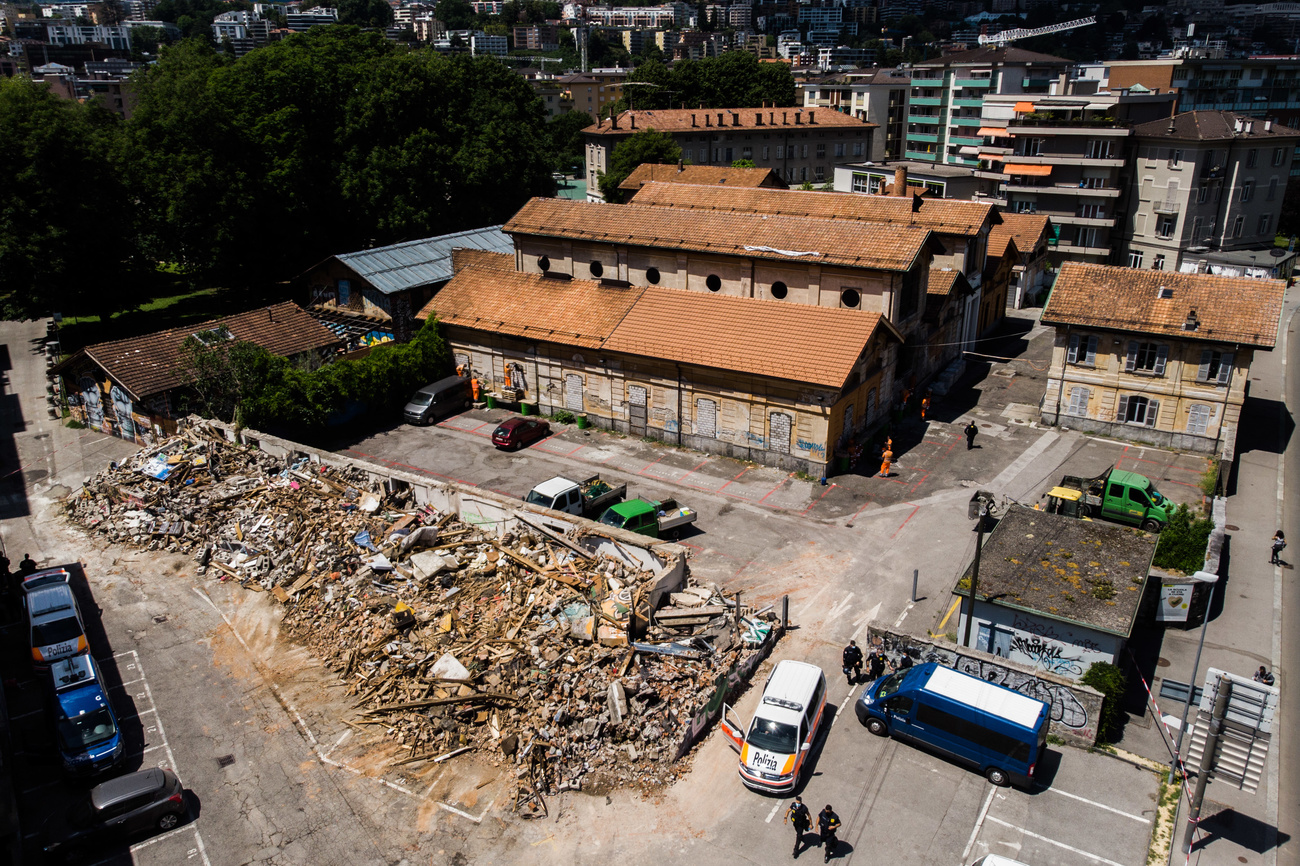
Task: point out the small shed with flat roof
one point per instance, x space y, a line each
1057 593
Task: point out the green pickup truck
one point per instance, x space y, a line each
1122 496
662 519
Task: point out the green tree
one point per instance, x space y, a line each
567 141
642 147
733 80
67 238
743 163
1111 682
456 14
365 13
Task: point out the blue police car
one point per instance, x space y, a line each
89 739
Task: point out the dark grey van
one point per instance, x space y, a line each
123 806
441 398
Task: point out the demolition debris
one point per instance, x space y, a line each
525 645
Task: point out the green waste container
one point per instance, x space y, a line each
525 409
842 465
491 401
583 423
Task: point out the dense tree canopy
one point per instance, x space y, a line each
733 80
325 142
365 13
248 171
66 239
567 142
642 147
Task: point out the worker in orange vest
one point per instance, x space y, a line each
474 387
925 405
887 459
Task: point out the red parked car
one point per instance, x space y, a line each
517 432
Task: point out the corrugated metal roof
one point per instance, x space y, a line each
419 263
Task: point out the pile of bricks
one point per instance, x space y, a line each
527 646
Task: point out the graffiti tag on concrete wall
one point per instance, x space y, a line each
811 447
1073 713
1046 655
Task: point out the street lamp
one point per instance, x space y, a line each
1212 580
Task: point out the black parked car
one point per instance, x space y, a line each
123 806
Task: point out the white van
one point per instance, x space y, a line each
787 721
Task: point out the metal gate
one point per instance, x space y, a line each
706 418
779 434
636 398
573 392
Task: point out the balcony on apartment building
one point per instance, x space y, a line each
1031 178
1066 123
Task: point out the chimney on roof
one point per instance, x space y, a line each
735 118
798 117
1268 126
600 122
613 121
707 120
900 180
785 118
758 118
1236 124
680 167
812 117
632 117
771 118
721 122
1250 126
1191 324
692 120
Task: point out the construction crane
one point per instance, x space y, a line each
1000 40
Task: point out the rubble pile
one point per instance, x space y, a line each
449 638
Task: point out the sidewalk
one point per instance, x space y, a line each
1243 632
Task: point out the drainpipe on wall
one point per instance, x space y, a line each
679 404
1060 391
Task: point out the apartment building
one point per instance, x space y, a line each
631 16
875 95
802 145
536 37
593 92
1266 87
1206 181
1062 156
947 98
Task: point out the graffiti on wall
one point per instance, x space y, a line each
726 682
814 448
1069 715
1046 655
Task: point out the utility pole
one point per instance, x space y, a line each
1223 691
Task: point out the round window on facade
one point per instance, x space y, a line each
714 282
850 298
544 262
652 276
779 290
597 269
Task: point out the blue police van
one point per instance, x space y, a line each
996 730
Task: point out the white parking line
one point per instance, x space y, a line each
1069 848
1139 818
170 762
770 815
320 753
979 823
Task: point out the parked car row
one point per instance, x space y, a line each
86 732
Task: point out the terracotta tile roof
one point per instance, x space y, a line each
1025 229
151 364
464 257
946 216
1212 126
1228 309
940 281
800 342
992 54
751 235
702 174
570 312
702 120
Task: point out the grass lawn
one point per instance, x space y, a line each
185 307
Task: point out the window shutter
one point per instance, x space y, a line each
1162 356
1225 368
1203 375
1131 361
1072 356
1123 409
1092 351
1153 409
